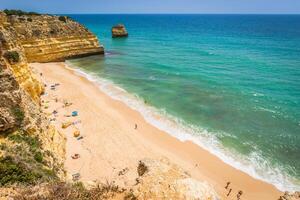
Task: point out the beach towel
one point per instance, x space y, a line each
74 113
66 125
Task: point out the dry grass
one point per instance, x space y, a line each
65 191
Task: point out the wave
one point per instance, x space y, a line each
254 164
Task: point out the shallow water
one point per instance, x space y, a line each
229 82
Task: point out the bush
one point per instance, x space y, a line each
18 12
12 172
77 191
38 156
24 161
62 18
19 114
29 19
33 142
12 56
142 168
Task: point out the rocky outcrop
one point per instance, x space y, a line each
160 179
48 38
290 196
119 31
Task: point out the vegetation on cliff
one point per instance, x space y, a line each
22 160
12 56
19 12
29 154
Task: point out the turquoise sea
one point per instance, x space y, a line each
230 83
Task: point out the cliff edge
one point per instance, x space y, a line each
31 150
49 38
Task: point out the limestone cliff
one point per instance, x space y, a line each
30 147
48 38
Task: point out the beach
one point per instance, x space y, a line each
115 137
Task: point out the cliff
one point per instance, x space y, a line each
46 38
31 150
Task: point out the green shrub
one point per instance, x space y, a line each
12 56
19 114
63 18
38 156
19 12
13 172
33 142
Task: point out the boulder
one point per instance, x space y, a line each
119 31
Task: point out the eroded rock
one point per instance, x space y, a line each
119 30
160 179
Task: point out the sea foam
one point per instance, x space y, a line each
254 165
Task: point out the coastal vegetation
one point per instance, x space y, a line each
19 114
75 191
12 56
18 12
22 161
63 18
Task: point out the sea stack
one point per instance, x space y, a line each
119 30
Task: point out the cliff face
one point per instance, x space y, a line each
48 38
27 139
15 59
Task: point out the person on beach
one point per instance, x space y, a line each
239 194
227 185
229 192
135 126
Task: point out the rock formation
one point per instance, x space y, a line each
119 31
290 196
160 179
46 38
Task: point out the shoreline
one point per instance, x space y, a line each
130 145
183 132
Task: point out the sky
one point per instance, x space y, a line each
155 6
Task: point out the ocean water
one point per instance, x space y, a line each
230 83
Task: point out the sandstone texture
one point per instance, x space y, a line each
48 38
290 196
119 31
160 179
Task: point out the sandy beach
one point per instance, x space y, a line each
111 141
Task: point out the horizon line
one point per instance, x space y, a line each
175 13
154 13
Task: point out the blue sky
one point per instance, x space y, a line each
155 6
